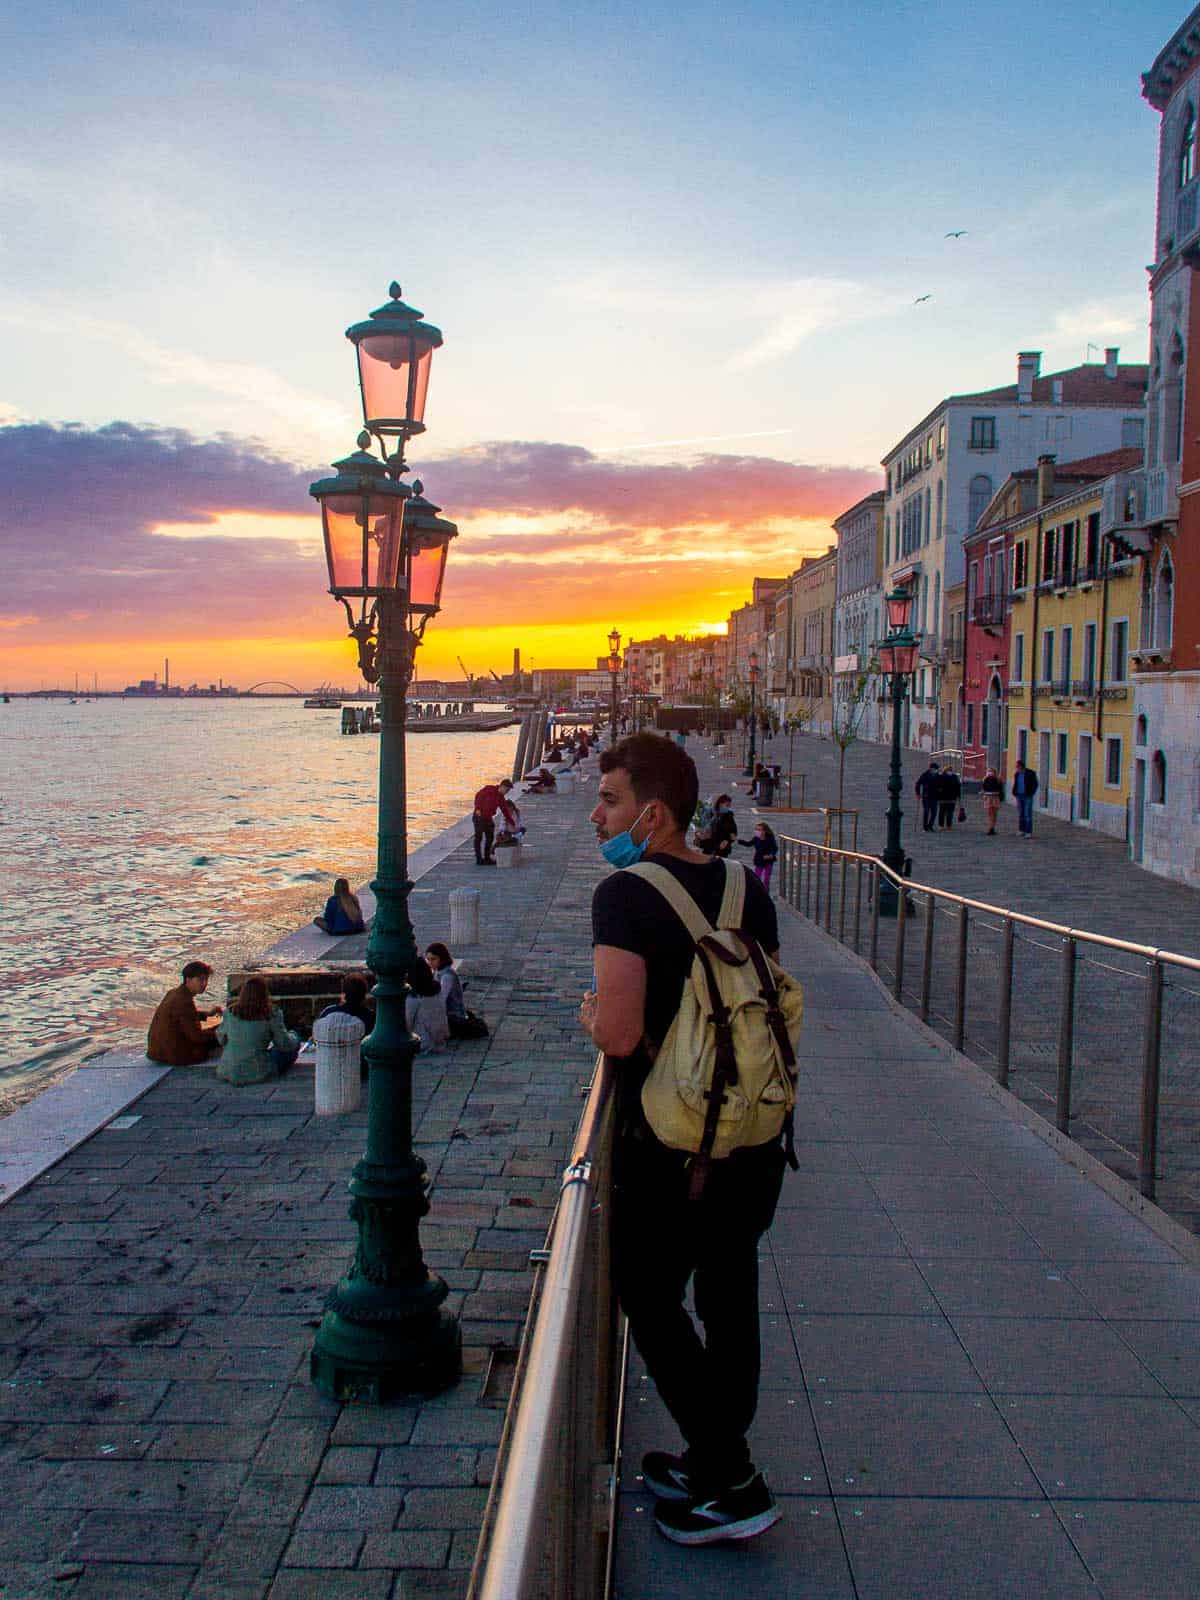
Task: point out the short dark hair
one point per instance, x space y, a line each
196 969
354 989
658 770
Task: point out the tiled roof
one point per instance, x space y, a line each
1101 466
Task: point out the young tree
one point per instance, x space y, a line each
848 713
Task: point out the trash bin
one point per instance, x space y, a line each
464 917
338 1079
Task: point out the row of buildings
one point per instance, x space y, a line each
1048 532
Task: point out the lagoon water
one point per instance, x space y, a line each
139 834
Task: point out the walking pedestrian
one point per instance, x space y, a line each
489 800
927 788
949 789
766 852
992 791
1025 786
661 1238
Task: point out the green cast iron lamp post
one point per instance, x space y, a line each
897 656
386 1331
614 666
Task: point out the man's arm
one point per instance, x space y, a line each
616 1014
510 813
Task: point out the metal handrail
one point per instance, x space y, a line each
542 1534
802 861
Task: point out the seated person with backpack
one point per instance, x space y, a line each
690 1199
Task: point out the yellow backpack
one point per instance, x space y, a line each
725 1075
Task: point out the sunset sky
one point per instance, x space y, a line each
674 252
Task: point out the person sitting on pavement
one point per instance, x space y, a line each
181 1035
490 799
256 1044
425 1008
354 1003
342 914
464 1024
540 782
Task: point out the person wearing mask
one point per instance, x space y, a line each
490 799
1024 787
181 1035
662 1239
342 914
992 791
723 830
927 788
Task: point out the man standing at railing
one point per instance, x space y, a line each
927 787
662 1238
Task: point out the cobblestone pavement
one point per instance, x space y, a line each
1066 874
162 1283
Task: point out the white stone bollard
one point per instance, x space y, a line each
564 783
337 1081
464 917
509 856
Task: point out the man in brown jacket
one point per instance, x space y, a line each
180 1034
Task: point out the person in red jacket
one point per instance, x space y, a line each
489 800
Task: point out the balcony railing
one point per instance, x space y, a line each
1185 216
1122 500
1162 493
1060 688
1083 688
989 608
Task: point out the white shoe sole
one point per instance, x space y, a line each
720 1535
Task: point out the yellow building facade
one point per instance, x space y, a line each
1073 623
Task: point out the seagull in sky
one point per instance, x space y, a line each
958 233
921 298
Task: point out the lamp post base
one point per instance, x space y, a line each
376 1345
889 898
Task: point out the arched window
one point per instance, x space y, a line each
937 602
1158 779
1164 601
928 513
1142 729
1146 619
1187 148
1172 404
981 494
940 496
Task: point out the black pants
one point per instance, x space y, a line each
946 813
661 1240
485 834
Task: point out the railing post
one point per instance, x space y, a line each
842 904
875 915
828 894
857 907
808 878
901 925
817 905
1066 1037
1005 1018
927 966
960 979
1151 1079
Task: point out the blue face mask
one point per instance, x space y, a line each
620 850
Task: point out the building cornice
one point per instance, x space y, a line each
1176 61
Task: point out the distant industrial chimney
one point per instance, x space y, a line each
166 674
1029 365
517 666
1110 361
1045 480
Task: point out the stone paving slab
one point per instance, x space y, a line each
163 1282
994 1356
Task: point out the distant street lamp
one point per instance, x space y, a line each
897 656
614 666
749 771
719 735
385 1331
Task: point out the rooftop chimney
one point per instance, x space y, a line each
1029 364
1045 480
1110 361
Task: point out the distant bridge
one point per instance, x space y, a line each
275 686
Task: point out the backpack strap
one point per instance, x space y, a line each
733 901
676 896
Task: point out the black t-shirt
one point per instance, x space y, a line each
631 914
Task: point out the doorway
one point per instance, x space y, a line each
1083 804
1139 807
1043 770
995 726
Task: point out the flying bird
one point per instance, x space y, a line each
922 297
959 233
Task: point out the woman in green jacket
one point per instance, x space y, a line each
255 1044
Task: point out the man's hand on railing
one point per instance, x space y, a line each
587 1011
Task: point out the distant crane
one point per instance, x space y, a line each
472 682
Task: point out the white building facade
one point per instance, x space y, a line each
941 476
858 614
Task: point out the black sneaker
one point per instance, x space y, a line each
738 1513
666 1476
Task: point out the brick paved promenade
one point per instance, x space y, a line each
162 1283
1069 875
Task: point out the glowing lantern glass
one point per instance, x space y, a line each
395 350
